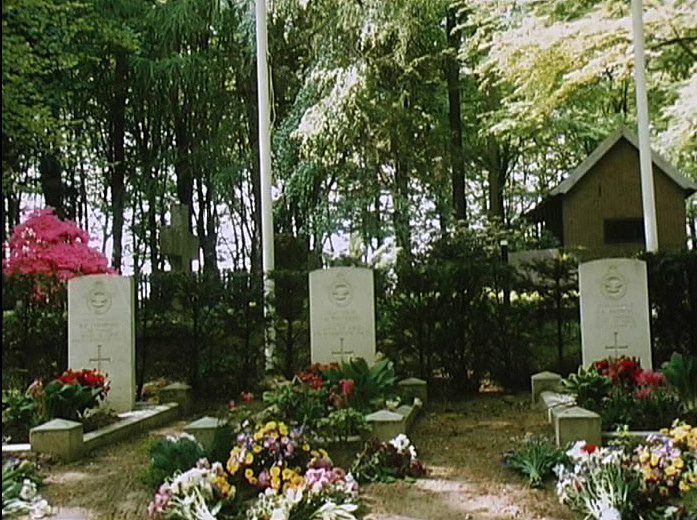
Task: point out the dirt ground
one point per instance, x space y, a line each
461 444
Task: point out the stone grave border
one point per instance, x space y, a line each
386 424
571 423
66 439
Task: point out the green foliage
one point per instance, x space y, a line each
534 457
298 402
19 413
341 424
169 455
71 400
372 383
681 374
589 387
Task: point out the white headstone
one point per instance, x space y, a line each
101 333
342 314
614 310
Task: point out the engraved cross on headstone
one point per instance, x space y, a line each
99 358
177 242
616 346
341 350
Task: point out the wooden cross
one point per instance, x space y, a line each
616 346
99 358
341 350
177 242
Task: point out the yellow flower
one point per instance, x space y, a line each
271 425
257 448
224 486
248 459
315 454
258 435
253 481
684 487
232 466
678 463
288 474
248 473
671 471
306 447
275 472
275 483
283 429
654 460
324 453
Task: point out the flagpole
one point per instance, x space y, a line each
647 185
265 173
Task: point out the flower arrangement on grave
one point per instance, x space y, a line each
274 456
326 493
625 394
202 492
668 461
653 478
74 392
387 461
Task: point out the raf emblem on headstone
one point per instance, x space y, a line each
341 292
99 299
613 284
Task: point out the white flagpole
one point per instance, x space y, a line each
267 236
647 187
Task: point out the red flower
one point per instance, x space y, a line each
589 448
643 393
649 378
346 386
247 397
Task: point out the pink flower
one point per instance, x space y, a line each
247 397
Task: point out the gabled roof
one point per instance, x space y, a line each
679 179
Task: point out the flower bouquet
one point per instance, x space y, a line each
74 392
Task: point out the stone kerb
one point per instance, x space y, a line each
414 387
554 402
204 430
67 440
179 393
59 437
575 424
544 381
386 424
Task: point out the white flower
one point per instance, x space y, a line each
332 511
418 403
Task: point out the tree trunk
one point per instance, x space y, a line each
250 96
401 212
118 190
50 178
457 159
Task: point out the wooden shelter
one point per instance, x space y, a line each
598 208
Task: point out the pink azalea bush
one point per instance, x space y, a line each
47 246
